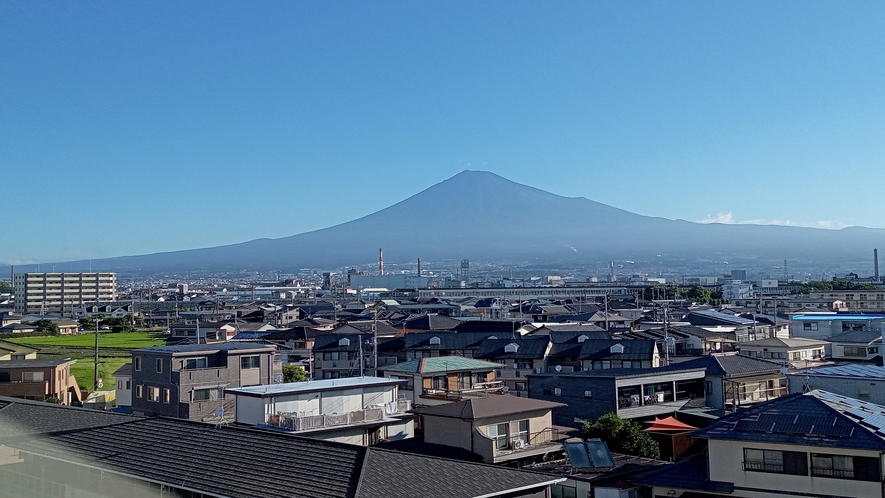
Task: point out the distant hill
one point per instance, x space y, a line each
481 216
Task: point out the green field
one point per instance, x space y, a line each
83 371
114 357
116 340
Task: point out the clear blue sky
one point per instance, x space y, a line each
137 127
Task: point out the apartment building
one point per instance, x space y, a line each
60 293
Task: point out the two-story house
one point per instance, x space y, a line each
798 351
45 379
734 380
13 351
356 410
188 381
816 444
499 429
438 380
856 345
628 392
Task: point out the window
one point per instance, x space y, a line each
557 391
137 363
138 391
588 394
708 386
32 376
159 365
778 462
194 363
498 432
562 491
809 326
128 384
120 385
247 362
522 431
153 394
167 396
439 382
212 394
845 467
854 351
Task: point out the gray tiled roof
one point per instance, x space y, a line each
733 365
240 462
207 348
528 348
497 406
438 477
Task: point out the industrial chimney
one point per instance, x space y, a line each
381 260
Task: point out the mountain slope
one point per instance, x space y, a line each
482 216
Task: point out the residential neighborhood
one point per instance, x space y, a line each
412 378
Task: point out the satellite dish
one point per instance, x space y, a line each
558 368
671 341
784 370
279 378
219 412
506 389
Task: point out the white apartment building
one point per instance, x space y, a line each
60 293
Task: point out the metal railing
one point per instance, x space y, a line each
295 422
479 390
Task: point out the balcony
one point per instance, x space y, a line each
496 450
479 390
299 423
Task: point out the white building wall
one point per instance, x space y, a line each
726 464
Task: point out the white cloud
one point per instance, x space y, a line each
724 217
727 217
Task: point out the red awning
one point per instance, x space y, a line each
668 424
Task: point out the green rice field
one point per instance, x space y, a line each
115 340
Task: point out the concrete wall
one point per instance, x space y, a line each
448 432
867 389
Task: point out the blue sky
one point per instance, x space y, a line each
137 127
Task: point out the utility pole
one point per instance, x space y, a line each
95 386
666 338
375 342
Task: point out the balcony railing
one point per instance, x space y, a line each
294 422
510 447
477 391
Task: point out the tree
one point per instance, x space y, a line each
5 288
699 294
47 327
622 436
294 373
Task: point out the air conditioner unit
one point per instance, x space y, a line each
519 444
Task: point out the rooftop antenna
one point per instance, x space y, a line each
876 264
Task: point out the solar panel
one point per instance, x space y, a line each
796 424
578 456
599 454
875 420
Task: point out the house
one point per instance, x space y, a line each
12 351
798 351
744 329
734 380
517 357
434 381
856 380
123 388
816 444
574 354
826 325
356 410
499 429
685 340
628 392
127 456
188 381
436 343
856 345
352 355
47 379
